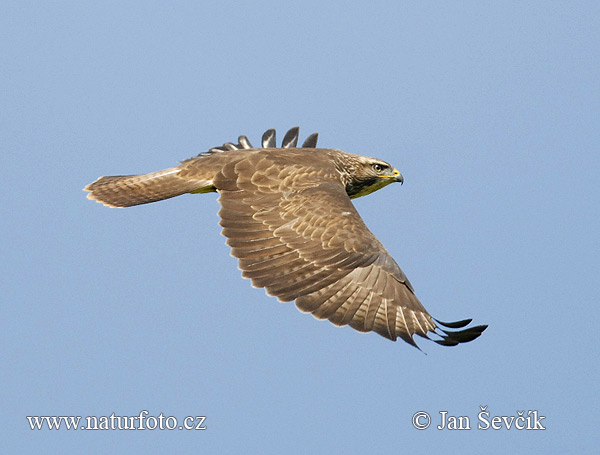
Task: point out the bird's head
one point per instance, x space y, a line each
367 175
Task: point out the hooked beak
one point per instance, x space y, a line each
398 176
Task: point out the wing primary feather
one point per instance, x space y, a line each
244 142
461 336
446 342
268 139
229 146
466 335
455 325
290 139
311 141
416 319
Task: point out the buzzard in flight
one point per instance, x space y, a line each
288 217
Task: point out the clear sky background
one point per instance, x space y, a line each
489 109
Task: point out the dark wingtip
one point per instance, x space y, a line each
446 342
453 338
454 325
311 141
268 139
290 140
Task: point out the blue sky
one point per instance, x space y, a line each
489 109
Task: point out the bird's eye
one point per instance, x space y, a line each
378 167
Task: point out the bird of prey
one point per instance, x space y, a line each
288 217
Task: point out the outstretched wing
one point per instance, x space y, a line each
297 234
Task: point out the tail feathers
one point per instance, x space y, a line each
128 190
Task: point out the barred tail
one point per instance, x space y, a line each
128 190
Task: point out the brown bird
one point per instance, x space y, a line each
288 216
